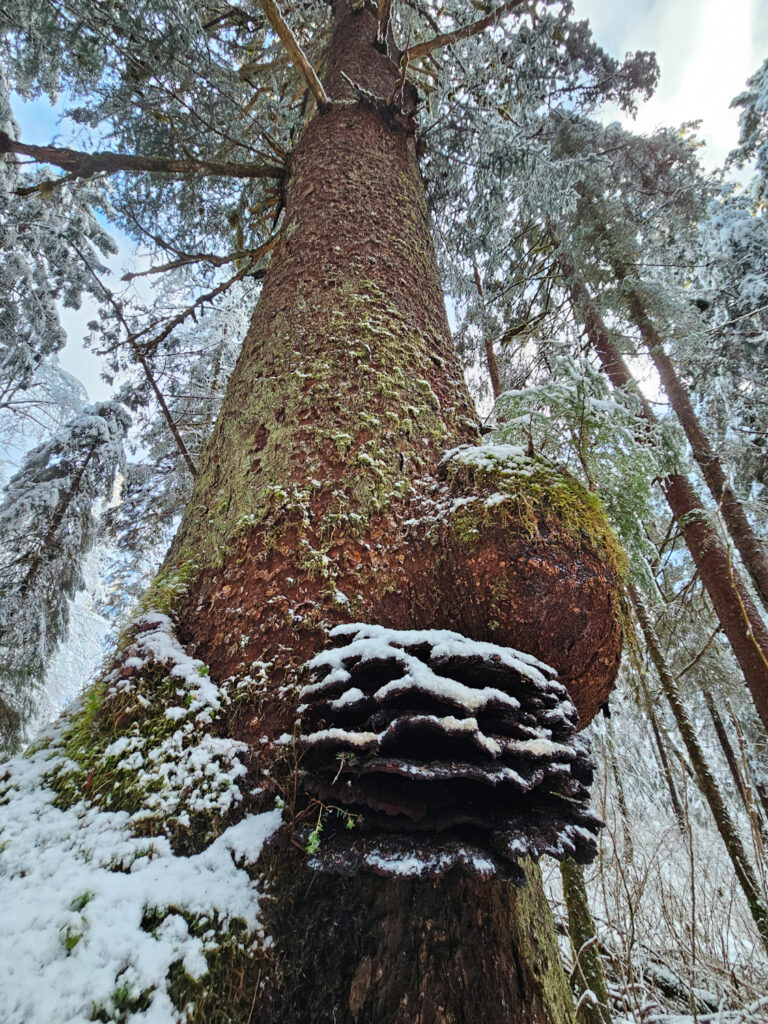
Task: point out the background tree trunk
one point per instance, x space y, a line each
587 975
740 619
748 544
705 779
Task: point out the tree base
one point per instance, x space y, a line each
376 951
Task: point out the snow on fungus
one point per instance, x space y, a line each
437 752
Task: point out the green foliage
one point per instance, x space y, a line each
313 840
573 420
169 587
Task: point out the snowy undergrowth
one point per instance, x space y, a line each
674 928
105 918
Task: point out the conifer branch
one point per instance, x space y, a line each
84 165
448 38
295 52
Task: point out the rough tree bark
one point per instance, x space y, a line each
740 619
314 504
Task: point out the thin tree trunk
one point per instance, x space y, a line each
743 869
677 806
587 975
740 619
490 354
748 544
753 810
622 800
726 747
493 367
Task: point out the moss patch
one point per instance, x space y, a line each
500 484
148 741
331 432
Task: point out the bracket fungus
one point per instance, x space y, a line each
442 752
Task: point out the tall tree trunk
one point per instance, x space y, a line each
743 869
740 619
311 506
666 767
587 975
748 544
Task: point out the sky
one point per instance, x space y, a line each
706 50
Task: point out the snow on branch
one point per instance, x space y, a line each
426 751
449 38
48 524
84 165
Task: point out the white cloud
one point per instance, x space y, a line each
706 52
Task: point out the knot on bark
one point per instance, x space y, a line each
427 751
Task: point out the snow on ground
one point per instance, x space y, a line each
77 882
75 885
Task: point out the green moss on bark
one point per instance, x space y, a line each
529 496
284 462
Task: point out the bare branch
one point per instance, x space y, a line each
146 347
142 361
295 52
46 188
448 38
246 70
204 257
83 165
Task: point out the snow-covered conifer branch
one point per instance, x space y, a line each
84 165
465 32
48 523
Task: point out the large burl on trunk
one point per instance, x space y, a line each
322 499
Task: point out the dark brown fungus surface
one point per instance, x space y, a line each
428 751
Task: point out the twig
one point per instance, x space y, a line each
744 316
141 359
149 346
295 52
203 257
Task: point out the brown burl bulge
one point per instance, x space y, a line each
424 751
523 556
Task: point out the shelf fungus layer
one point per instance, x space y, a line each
430 751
